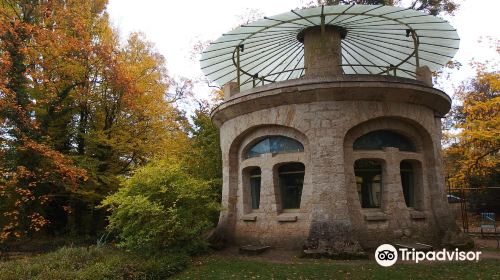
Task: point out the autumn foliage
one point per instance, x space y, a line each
473 154
78 110
472 139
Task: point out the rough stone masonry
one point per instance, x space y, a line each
327 112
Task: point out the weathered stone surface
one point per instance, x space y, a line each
424 75
327 116
322 51
251 250
457 239
216 238
230 89
417 246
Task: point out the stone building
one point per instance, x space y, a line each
328 159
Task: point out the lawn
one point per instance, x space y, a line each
224 268
110 263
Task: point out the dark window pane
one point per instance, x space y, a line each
376 140
284 144
255 179
369 182
291 181
262 147
407 182
275 144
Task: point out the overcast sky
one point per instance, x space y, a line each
174 26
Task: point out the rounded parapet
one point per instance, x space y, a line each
339 88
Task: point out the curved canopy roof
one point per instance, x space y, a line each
379 40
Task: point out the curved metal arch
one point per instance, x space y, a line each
354 24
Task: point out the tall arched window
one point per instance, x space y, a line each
376 140
408 182
369 182
255 179
291 180
274 144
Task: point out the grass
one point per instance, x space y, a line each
92 263
110 263
220 268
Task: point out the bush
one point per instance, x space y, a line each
93 263
484 200
162 207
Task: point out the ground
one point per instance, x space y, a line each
221 268
278 264
107 262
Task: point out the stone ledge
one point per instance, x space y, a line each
375 216
287 218
342 88
252 250
417 215
249 218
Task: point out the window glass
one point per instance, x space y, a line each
275 144
376 140
407 182
369 182
291 180
255 179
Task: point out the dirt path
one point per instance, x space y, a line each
486 246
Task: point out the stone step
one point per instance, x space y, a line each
252 250
414 245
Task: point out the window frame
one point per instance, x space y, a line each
278 183
381 182
377 138
246 152
255 196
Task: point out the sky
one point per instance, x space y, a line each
175 26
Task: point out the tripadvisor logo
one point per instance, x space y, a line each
387 255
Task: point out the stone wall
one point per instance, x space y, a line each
326 117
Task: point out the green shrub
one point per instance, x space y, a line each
92 263
162 207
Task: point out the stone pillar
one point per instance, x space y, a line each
267 189
393 203
424 75
230 89
322 51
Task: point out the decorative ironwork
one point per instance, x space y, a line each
378 39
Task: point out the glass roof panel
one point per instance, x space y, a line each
377 39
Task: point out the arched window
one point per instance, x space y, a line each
291 180
369 182
376 140
274 144
408 182
255 179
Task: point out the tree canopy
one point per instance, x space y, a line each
78 109
473 138
433 7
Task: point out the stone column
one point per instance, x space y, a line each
322 51
393 202
267 187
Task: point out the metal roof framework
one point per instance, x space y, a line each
380 40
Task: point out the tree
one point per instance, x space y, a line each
203 158
433 7
78 110
205 146
31 167
472 155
